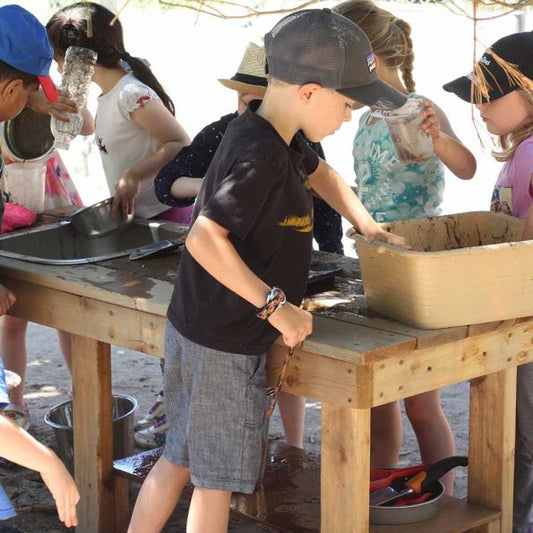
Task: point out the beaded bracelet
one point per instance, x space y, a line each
274 300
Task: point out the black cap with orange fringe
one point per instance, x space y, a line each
504 67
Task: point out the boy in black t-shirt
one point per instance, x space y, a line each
244 270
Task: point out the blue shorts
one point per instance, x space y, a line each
216 406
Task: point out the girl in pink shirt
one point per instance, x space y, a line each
502 89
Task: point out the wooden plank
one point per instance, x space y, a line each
352 342
344 469
491 448
356 311
425 338
455 516
93 281
108 322
406 374
93 434
321 378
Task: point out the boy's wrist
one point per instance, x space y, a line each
274 300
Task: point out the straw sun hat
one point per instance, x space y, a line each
250 76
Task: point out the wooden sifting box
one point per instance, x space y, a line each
472 270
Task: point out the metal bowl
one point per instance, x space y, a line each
96 220
407 514
27 137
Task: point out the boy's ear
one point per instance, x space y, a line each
305 92
10 88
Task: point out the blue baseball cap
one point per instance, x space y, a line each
24 45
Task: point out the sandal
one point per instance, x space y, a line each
19 415
153 436
156 411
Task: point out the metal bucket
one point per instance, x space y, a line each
27 137
60 418
407 514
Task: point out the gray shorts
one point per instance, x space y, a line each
216 406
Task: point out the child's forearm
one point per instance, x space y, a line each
208 243
148 167
185 187
455 156
18 446
338 194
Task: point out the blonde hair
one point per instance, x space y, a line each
510 142
389 36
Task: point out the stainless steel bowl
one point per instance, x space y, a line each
27 137
382 514
96 220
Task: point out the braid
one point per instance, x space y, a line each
390 36
409 55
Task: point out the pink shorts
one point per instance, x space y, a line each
182 215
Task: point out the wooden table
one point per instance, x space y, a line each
351 363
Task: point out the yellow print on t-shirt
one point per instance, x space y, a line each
303 224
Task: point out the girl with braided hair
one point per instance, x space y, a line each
393 190
135 127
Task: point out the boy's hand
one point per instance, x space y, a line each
293 323
64 104
392 239
431 123
64 491
7 299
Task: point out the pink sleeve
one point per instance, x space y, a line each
522 169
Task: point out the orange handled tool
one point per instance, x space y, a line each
419 483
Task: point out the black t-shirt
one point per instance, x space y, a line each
257 188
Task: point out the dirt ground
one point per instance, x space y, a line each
139 375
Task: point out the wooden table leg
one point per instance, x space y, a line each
93 434
491 450
345 469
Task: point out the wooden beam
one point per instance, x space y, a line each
344 469
491 451
93 434
109 322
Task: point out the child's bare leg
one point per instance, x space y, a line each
14 355
433 432
158 497
65 345
292 411
385 435
209 511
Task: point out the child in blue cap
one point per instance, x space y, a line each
25 59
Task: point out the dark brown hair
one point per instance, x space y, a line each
93 26
7 72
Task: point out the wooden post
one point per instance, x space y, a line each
492 436
345 467
93 434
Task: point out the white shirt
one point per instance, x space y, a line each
122 142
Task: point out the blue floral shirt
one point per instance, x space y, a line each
390 189
6 509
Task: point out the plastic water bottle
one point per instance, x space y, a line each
78 71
